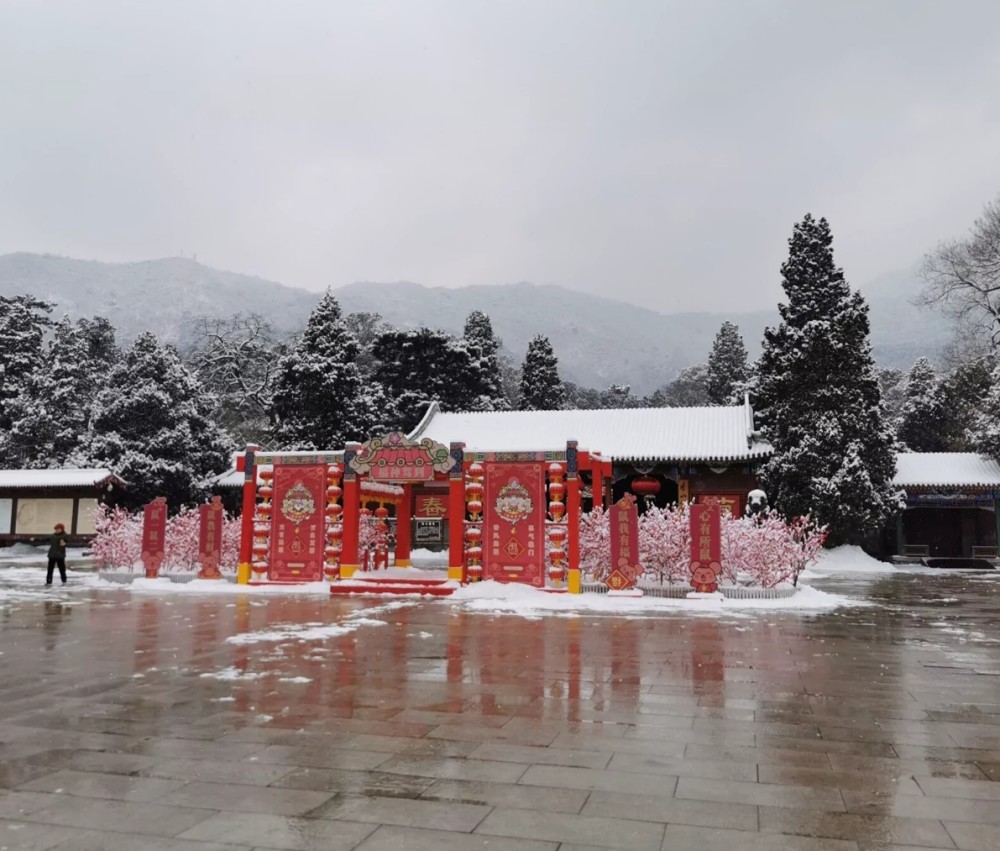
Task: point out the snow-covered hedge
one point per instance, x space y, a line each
118 543
765 551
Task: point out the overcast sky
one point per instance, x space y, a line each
657 152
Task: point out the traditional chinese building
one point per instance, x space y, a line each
664 455
951 513
33 501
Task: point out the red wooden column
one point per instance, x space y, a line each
597 485
249 468
456 514
573 581
404 511
352 515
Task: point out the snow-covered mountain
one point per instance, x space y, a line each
599 341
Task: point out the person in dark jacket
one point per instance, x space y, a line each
57 554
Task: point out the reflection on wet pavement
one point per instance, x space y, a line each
196 722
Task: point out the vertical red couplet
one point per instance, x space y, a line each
706 547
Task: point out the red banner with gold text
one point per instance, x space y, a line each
706 546
298 523
210 538
154 531
514 523
625 567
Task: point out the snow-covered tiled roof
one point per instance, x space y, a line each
629 434
16 479
946 469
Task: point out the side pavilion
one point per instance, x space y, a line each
952 501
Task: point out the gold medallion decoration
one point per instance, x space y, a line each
298 504
513 502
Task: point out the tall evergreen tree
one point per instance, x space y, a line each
51 416
923 426
23 320
819 400
366 327
727 367
892 386
319 399
417 367
484 346
541 389
152 425
965 396
986 425
102 348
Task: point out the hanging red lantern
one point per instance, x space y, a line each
646 486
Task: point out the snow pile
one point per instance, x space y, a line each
848 559
320 631
429 559
523 600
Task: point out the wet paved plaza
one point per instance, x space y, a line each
133 721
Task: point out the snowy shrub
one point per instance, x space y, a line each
665 543
180 549
118 542
595 544
765 551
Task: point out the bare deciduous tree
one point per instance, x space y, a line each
236 361
963 278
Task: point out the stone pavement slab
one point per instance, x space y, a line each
286 832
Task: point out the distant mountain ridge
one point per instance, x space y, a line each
599 341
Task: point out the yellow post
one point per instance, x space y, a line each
243 573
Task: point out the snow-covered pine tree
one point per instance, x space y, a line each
319 399
892 385
484 347
922 423
51 416
688 390
152 426
964 394
541 389
417 367
818 398
986 426
102 348
23 320
727 367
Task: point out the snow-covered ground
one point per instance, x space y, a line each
20 582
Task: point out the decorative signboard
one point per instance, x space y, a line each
427 531
396 458
625 567
731 502
514 523
210 538
430 506
706 546
154 531
298 523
